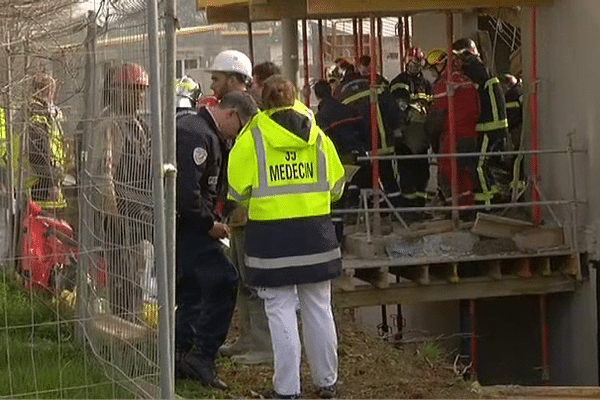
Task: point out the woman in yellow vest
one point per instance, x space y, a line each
286 171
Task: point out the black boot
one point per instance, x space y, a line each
194 366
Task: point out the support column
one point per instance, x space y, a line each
289 49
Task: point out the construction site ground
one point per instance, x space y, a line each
371 368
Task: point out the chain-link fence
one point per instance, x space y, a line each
78 213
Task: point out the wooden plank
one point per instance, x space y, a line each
495 226
377 277
351 7
111 327
546 392
469 288
416 273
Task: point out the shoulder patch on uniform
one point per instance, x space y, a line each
200 155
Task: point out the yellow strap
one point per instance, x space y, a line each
513 104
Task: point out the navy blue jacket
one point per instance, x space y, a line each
201 154
342 124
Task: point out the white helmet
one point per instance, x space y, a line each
232 61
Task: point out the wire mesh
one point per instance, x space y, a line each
76 220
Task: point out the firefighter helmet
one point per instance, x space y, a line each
435 57
465 46
131 75
508 80
187 92
232 61
415 54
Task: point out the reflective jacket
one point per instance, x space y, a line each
342 124
514 106
286 171
492 115
356 94
408 88
46 155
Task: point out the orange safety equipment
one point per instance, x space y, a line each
130 74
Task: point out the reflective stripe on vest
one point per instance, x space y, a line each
293 261
513 104
385 149
400 86
264 190
496 122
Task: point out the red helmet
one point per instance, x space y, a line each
415 54
131 74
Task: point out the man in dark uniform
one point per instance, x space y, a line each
413 94
492 127
206 279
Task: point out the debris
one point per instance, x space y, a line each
449 244
498 227
538 238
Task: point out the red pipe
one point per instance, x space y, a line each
544 329
305 57
360 38
380 44
401 43
321 50
355 34
535 212
451 119
473 338
374 125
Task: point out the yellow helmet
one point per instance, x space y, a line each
436 56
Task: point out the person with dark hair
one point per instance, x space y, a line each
286 171
260 73
231 71
344 126
206 279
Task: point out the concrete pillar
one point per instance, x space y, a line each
465 24
289 49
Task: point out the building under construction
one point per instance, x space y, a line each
487 280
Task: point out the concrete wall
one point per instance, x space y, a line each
568 64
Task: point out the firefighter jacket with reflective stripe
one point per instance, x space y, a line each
46 154
514 106
356 94
408 88
286 171
201 154
492 115
343 124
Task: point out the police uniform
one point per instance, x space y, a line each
287 172
206 279
413 94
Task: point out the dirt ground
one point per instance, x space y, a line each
369 368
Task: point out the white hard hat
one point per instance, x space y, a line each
232 61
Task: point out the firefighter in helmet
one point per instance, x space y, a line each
492 127
413 94
187 92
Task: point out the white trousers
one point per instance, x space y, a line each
318 333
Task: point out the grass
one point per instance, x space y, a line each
38 357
